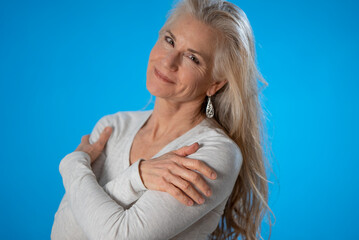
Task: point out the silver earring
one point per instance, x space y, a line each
209 108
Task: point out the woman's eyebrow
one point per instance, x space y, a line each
189 49
170 33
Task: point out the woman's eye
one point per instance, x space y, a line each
194 59
169 40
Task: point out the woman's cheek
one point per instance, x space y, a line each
160 49
195 70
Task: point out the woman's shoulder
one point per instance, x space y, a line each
219 152
121 117
125 119
122 122
211 132
216 147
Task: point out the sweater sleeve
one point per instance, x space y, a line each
155 215
127 187
128 180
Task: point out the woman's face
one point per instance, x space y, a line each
180 63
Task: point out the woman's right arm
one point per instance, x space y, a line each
172 173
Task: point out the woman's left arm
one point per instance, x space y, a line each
156 215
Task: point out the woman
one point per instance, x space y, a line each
171 173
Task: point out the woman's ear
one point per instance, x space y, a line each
215 86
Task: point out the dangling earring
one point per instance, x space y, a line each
209 108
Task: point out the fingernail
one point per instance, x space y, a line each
189 203
200 200
107 130
209 193
213 175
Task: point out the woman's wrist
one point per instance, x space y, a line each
140 169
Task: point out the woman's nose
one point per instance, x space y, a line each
171 60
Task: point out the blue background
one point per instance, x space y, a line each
65 64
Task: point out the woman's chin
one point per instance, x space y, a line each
158 90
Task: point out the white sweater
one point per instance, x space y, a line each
107 200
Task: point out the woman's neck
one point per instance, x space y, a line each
170 119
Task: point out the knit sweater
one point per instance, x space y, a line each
108 200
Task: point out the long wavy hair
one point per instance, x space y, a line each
238 111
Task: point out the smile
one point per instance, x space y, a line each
162 77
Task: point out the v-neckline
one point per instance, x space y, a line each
137 129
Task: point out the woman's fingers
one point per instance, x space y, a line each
187 150
193 163
165 177
179 176
187 188
85 139
104 136
192 177
95 149
199 166
178 194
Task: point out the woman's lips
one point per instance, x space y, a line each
162 76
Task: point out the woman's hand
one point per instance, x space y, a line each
94 150
173 173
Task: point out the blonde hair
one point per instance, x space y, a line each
238 111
